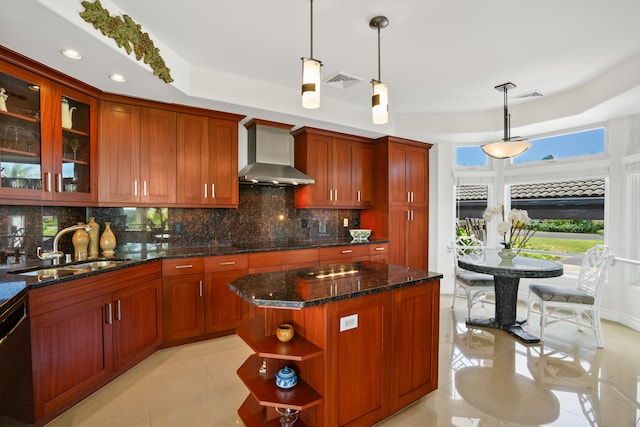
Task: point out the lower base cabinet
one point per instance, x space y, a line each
197 300
416 325
227 310
354 377
86 331
183 306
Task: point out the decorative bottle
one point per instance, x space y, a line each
94 237
80 241
107 240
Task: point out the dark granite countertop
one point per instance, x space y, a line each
14 286
311 286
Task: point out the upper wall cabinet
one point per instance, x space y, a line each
166 155
137 155
408 168
341 165
48 139
207 161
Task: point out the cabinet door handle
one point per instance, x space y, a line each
335 194
109 314
59 182
411 214
408 196
227 263
213 191
379 249
144 188
205 190
359 196
330 194
412 197
135 188
118 313
185 266
200 287
347 251
47 181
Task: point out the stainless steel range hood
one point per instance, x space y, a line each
270 155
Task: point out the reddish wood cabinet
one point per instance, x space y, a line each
408 174
44 157
197 300
401 202
353 376
348 253
416 320
207 161
358 361
341 166
152 153
137 154
85 331
224 310
379 252
183 298
262 262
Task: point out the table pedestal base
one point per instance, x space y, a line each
506 302
515 330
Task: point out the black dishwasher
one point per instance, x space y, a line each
16 383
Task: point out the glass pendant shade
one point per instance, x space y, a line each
380 103
506 149
311 83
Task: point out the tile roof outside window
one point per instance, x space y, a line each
538 190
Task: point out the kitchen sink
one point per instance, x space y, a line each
56 272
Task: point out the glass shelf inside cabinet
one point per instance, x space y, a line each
76 145
20 145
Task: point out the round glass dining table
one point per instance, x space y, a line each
506 277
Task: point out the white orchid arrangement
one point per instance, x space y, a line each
514 230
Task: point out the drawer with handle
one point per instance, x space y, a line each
182 266
226 263
346 253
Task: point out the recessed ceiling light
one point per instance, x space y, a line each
34 88
70 53
117 78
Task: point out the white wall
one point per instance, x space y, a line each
621 300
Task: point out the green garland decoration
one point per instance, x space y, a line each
127 34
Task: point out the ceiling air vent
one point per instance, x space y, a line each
530 94
342 80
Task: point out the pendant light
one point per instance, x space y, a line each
311 74
506 148
380 97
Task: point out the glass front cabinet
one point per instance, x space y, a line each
48 136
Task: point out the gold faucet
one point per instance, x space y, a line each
55 254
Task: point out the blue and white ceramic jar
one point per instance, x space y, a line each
286 378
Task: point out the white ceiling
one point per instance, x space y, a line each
441 59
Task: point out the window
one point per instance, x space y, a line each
49 225
146 219
471 201
568 216
470 157
569 145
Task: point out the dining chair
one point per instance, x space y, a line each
580 305
476 286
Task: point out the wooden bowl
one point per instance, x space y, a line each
285 332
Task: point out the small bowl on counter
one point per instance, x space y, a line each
360 234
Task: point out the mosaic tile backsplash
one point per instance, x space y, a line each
264 214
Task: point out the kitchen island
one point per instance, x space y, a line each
365 344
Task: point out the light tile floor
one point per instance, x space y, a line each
486 378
